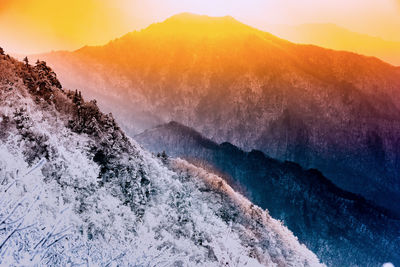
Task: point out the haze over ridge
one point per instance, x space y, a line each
331 110
32 26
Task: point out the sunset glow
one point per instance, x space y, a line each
31 26
200 133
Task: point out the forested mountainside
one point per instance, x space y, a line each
75 190
342 228
334 111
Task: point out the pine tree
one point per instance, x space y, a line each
164 157
26 61
77 99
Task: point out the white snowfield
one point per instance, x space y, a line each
54 212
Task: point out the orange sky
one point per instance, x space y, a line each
31 26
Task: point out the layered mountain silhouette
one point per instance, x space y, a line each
334 111
75 190
335 37
342 228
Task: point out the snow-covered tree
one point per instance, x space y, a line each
75 190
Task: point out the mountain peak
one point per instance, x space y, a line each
194 24
187 16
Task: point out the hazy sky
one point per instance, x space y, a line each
30 26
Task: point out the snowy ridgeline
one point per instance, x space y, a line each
75 191
189 223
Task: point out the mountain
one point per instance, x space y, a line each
330 110
342 228
75 190
335 37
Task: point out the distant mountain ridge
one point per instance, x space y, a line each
335 111
340 227
335 37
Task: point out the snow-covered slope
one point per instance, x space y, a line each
74 190
341 228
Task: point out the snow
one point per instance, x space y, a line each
54 211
